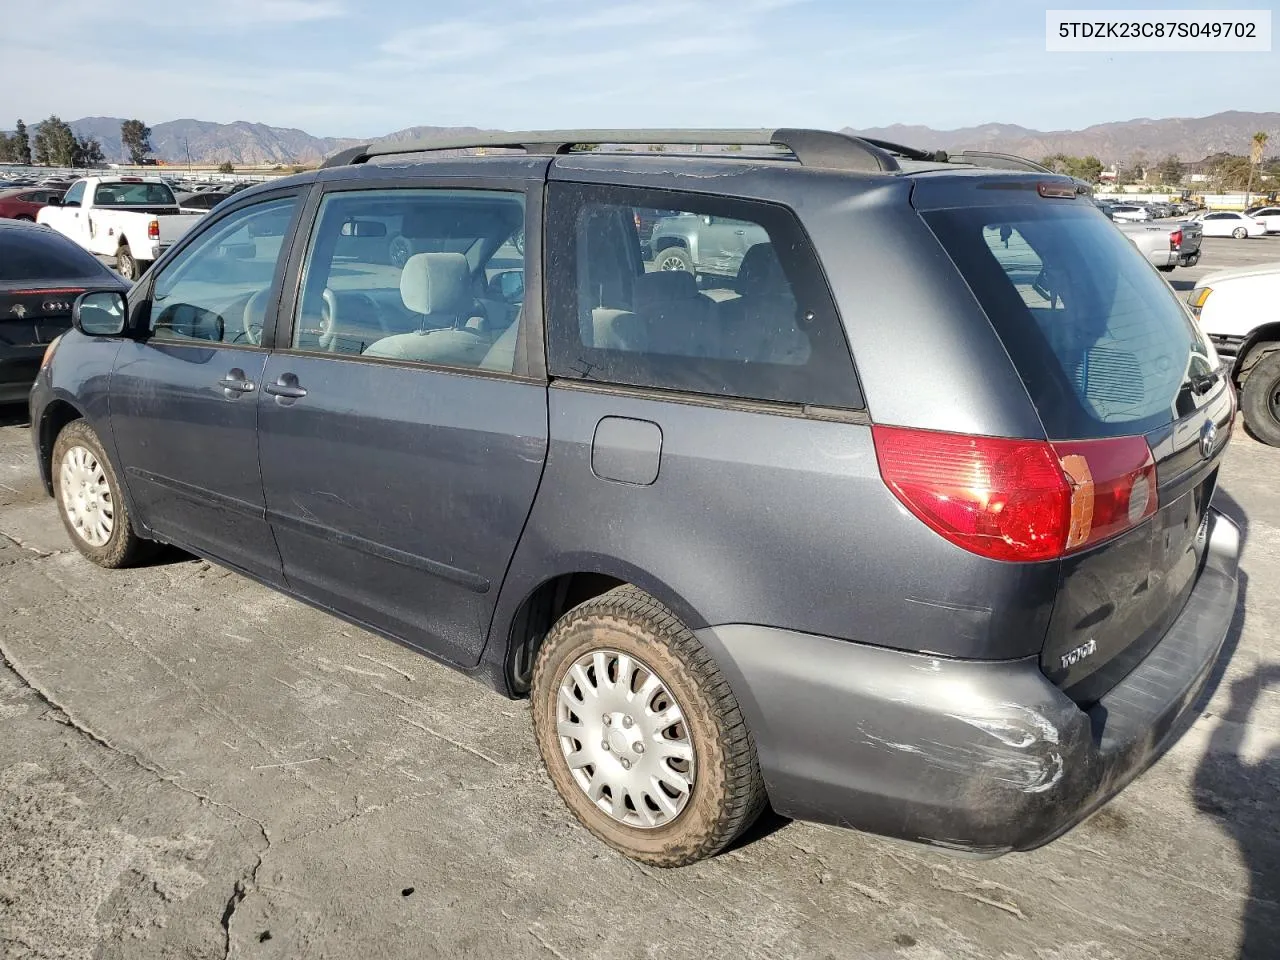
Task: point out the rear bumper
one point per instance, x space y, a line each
977 756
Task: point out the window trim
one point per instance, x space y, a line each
141 296
566 200
530 360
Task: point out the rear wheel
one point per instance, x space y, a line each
89 501
640 733
1260 398
126 266
674 258
1240 233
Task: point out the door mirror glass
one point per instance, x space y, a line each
100 314
507 286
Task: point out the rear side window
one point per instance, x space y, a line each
1101 342
698 294
41 255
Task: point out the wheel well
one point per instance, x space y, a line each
56 416
665 243
1265 337
539 613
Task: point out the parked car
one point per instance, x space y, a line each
1226 223
1237 309
25 202
960 596
706 245
41 274
199 202
1269 217
1131 212
130 219
1166 245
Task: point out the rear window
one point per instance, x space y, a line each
1099 339
132 194
31 255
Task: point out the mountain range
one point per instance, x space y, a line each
1188 138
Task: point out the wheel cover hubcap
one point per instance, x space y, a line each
1273 401
625 739
86 496
672 263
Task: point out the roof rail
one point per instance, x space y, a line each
820 149
999 161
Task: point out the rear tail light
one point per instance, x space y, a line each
1175 239
1019 500
153 230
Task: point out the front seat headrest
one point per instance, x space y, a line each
436 283
663 286
761 273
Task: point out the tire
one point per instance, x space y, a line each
673 258
77 455
126 266
1260 398
1165 269
727 791
1240 233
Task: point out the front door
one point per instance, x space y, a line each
184 394
402 430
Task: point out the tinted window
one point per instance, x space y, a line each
75 195
132 194
217 287
427 276
42 255
1100 340
720 297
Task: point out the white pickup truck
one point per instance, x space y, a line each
1239 310
132 220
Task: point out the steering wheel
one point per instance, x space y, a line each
329 321
255 312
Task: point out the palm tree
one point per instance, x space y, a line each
1255 158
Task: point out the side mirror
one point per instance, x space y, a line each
54 202
507 286
100 314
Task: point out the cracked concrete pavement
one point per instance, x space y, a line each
193 766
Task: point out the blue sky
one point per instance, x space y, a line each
361 69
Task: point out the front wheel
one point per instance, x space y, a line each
1260 398
674 258
1240 233
640 733
126 265
89 501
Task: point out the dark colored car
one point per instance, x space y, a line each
24 203
41 274
906 526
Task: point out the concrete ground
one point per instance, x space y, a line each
192 766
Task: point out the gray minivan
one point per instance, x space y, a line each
904 525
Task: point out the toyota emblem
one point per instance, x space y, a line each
1208 436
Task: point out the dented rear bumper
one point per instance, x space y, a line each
977 756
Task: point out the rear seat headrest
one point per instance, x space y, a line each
436 283
664 285
761 273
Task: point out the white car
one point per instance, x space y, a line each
1130 213
1270 218
1224 223
1237 311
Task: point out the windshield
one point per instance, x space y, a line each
132 195
1101 342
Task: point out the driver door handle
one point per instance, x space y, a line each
286 389
236 383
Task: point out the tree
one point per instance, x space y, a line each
1170 170
135 136
88 152
226 166
1255 158
55 143
21 143
8 149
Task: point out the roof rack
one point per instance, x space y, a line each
820 149
911 153
999 161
